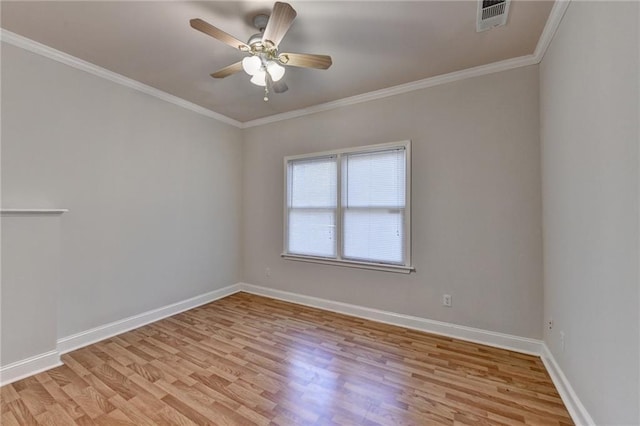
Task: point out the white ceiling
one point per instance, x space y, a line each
374 44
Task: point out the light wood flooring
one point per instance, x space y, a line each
246 360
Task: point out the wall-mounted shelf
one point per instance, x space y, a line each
24 212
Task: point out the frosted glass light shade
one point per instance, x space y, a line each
275 70
259 78
251 64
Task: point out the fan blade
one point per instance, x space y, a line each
305 60
227 71
217 33
279 22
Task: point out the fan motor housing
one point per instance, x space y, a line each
256 38
260 21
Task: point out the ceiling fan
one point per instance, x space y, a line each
264 63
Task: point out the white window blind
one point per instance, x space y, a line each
312 204
373 204
350 207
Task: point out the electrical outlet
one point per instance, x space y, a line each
562 341
550 323
267 271
446 300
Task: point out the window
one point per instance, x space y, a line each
312 206
350 207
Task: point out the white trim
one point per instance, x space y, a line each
72 61
339 259
550 28
24 212
553 21
354 149
578 412
349 263
36 364
28 367
42 362
470 334
505 65
84 338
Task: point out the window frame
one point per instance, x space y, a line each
406 267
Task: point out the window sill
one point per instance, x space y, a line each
351 263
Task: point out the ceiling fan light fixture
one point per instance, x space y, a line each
259 78
251 64
264 63
275 70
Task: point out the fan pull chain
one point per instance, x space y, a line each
266 94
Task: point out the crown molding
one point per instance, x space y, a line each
550 28
555 17
72 61
494 67
553 21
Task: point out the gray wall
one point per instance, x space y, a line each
166 203
589 115
30 280
476 202
153 190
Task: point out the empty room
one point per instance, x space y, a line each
311 212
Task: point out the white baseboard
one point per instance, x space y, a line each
476 335
84 338
28 367
578 412
36 364
39 363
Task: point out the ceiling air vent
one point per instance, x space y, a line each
491 14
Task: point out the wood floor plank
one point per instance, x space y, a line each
62 399
36 398
8 394
131 411
21 413
91 402
8 419
246 360
55 416
187 410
